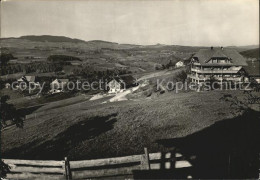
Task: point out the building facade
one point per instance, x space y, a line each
179 64
119 84
218 63
116 85
58 85
253 70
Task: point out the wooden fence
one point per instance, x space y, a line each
38 169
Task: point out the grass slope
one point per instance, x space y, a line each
90 130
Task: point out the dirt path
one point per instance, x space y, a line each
122 96
160 73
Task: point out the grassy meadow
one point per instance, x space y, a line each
69 124
92 129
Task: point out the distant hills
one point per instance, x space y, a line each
244 47
251 53
100 41
49 38
103 54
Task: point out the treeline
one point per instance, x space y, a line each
165 66
43 67
93 74
9 112
62 58
55 64
5 58
168 65
29 68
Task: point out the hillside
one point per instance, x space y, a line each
243 48
100 55
201 125
106 44
252 53
89 130
97 54
47 38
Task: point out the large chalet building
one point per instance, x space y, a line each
219 63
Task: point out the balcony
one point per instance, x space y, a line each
214 71
200 78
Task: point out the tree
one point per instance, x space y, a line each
8 112
213 83
170 64
163 66
46 87
253 84
57 69
2 84
4 169
5 57
182 76
61 59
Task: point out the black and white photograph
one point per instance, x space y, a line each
129 89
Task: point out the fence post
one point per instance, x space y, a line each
67 168
145 162
229 162
259 167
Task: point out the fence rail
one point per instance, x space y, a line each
37 169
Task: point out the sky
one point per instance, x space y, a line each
172 22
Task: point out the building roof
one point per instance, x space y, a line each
27 79
30 78
60 81
219 54
116 81
204 55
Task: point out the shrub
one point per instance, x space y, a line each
62 58
182 76
5 57
213 83
8 112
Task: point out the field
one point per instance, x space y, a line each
89 130
98 54
207 129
